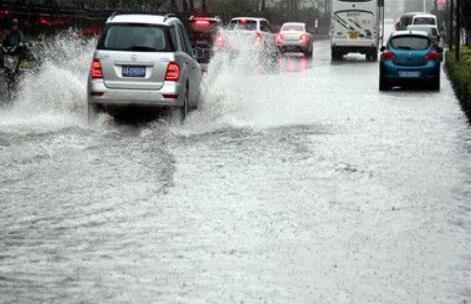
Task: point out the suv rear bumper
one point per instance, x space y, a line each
170 95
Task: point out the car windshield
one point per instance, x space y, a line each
424 20
293 27
140 38
243 25
410 43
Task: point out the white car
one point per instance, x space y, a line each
293 37
432 30
259 30
425 19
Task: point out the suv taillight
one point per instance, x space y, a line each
173 72
97 70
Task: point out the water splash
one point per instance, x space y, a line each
54 94
246 88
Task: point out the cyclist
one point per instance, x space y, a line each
13 44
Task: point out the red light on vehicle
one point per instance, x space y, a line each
44 21
202 23
219 41
388 55
280 38
432 56
243 21
170 96
173 72
258 39
304 38
97 70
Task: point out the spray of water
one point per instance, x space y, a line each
53 94
239 90
243 88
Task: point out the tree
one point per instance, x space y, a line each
466 19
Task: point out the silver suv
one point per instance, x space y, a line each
144 60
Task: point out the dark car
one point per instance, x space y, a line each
405 21
203 31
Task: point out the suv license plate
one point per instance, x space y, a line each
134 71
409 74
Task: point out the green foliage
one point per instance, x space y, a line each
460 76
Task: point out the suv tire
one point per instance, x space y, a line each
93 112
178 114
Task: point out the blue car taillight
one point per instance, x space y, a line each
432 56
387 55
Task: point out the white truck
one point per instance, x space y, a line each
357 26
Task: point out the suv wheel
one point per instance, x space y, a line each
179 113
184 110
336 54
93 112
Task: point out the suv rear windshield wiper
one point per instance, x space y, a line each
142 48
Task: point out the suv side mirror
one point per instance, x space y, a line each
382 49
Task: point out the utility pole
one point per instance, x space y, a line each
451 11
458 31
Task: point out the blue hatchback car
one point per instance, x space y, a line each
410 57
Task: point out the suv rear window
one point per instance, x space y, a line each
410 43
243 25
136 37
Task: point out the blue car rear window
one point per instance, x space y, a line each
413 43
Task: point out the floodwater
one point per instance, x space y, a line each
306 185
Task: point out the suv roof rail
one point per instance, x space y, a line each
113 15
169 15
166 16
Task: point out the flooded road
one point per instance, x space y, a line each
302 186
